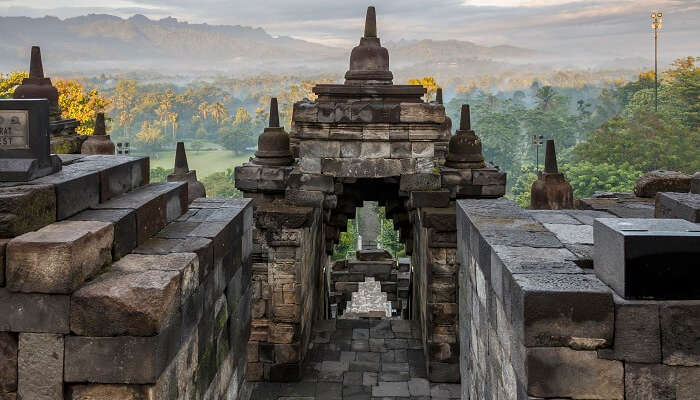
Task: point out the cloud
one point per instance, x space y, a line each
595 27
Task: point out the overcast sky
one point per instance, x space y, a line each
613 28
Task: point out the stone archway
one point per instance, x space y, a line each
366 139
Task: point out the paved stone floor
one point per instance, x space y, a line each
361 360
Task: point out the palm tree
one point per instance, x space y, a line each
173 122
546 96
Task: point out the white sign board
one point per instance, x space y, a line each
14 129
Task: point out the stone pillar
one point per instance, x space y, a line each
551 190
369 225
182 173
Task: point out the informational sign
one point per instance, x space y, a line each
14 129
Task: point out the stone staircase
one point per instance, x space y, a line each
346 276
128 291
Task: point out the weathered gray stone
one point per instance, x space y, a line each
678 205
8 362
573 310
562 372
101 391
637 332
125 228
33 312
680 333
572 234
661 382
137 298
26 208
59 257
419 182
122 359
40 366
661 181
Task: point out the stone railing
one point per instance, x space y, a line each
534 324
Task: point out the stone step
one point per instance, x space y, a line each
83 183
347 276
141 213
370 266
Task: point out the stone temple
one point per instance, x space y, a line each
112 287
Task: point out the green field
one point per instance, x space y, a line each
206 162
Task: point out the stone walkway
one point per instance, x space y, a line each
361 360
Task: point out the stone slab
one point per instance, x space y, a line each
34 312
59 257
8 362
40 366
678 205
125 228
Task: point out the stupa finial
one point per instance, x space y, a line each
100 129
438 96
371 22
181 166
550 158
36 68
274 114
465 123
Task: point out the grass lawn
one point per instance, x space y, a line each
205 162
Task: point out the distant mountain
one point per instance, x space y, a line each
98 42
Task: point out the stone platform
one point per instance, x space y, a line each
360 359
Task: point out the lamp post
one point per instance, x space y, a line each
656 22
537 141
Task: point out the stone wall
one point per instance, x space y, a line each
435 290
535 324
287 283
129 294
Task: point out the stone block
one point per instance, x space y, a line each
121 359
549 309
422 113
661 181
104 392
678 205
345 132
661 382
155 205
429 198
680 333
400 150
440 219
422 132
637 332
376 132
77 188
572 234
40 366
562 372
59 257
26 208
305 112
8 362
372 255
422 149
648 258
350 149
318 148
125 229
309 198
34 312
375 150
421 182
137 297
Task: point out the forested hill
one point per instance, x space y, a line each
144 43
95 43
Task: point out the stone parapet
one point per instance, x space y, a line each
552 328
86 314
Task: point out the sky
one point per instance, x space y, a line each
601 28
